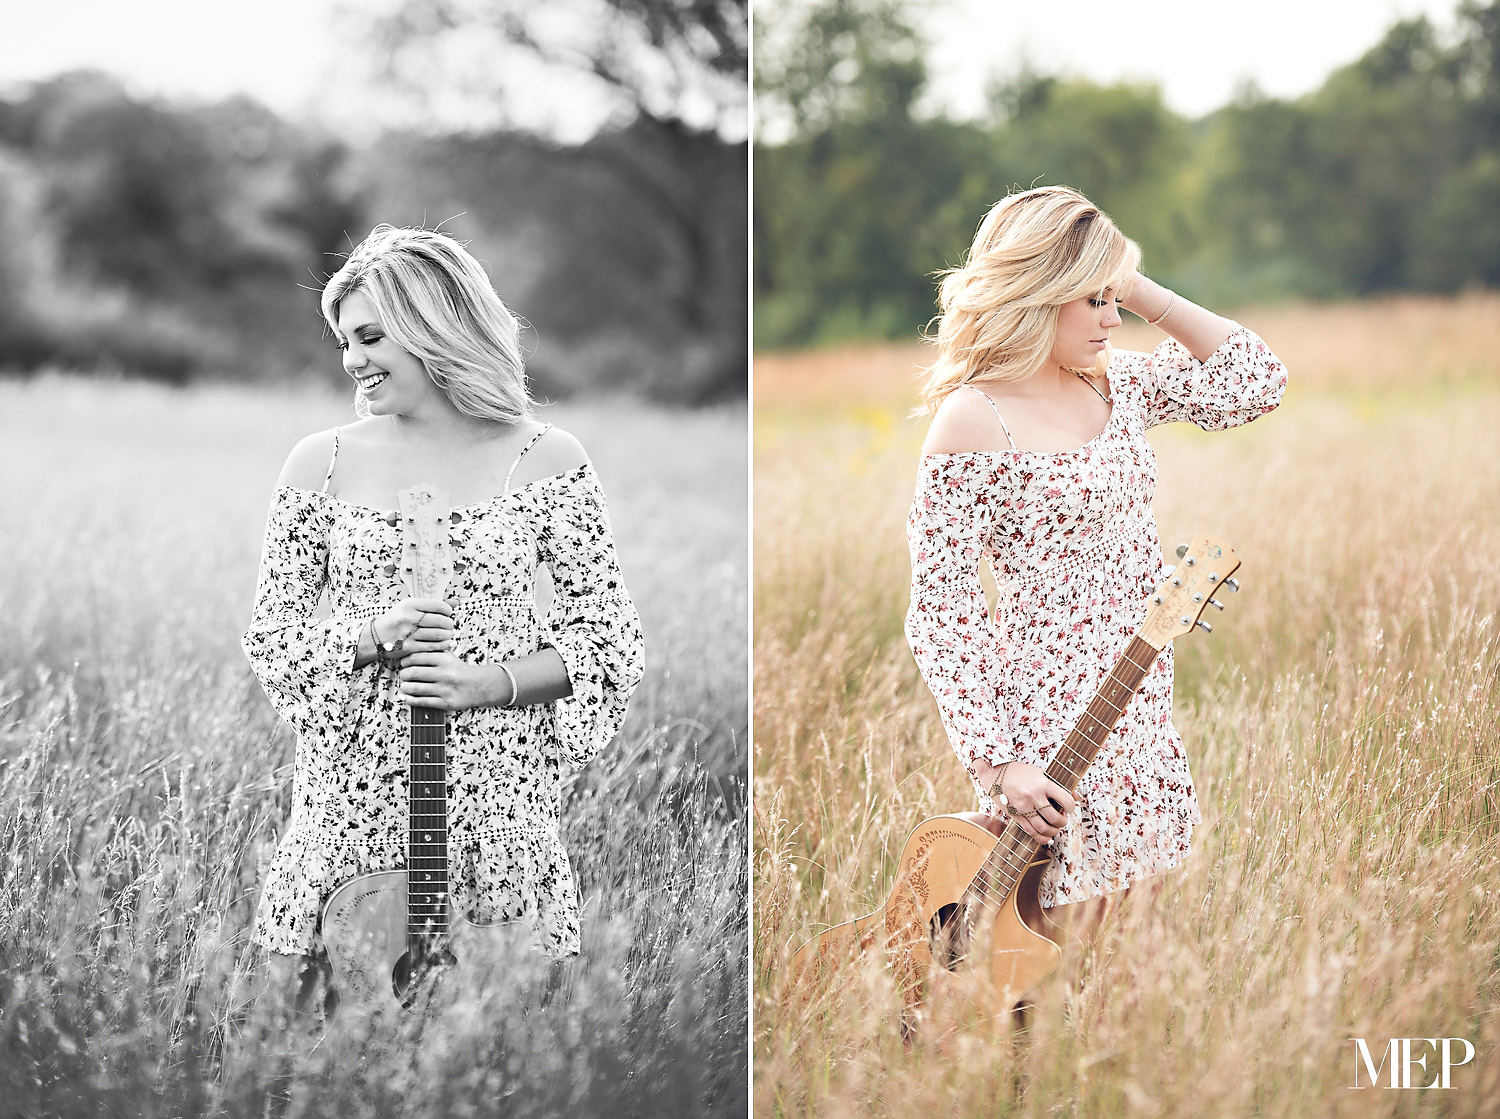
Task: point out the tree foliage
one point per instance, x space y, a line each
161 240
683 61
1386 178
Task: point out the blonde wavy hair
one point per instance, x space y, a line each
1034 251
436 302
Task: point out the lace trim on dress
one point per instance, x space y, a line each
1084 558
322 835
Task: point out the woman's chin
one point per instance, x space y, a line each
372 406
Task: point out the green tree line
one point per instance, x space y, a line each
1386 178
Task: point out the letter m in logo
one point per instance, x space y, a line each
1362 1056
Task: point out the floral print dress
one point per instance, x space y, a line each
505 765
1072 542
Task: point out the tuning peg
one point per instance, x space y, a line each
1166 572
1233 584
1216 602
1205 627
1181 550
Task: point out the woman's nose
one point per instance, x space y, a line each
353 358
1111 315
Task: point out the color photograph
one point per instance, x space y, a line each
1125 483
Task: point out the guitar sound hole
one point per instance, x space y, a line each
950 936
416 969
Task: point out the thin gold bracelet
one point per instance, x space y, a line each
1171 299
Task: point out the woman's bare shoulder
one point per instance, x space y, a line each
306 466
966 421
556 452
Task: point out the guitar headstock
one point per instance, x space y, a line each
1204 568
426 564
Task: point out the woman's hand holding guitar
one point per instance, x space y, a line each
413 625
439 679
1041 805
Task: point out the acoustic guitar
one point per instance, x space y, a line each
962 890
391 933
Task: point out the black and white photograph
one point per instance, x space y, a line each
374 683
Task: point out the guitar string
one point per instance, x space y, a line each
427 900
1014 841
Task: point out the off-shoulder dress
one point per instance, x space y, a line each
506 765
1072 541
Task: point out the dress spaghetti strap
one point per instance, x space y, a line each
333 458
530 443
1008 437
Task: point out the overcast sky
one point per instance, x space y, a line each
299 57
1197 51
287 53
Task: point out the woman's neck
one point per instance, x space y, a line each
440 422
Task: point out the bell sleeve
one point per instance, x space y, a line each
1240 381
305 663
591 621
957 649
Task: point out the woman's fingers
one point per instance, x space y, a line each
1051 814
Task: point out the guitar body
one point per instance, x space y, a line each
927 922
365 930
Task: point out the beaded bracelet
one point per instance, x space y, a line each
995 784
386 654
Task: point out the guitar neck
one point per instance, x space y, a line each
1103 712
1017 849
427 838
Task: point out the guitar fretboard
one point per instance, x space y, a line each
427 838
1017 849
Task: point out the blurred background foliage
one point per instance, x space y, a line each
181 241
1387 178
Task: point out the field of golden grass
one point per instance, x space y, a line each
1340 722
144 780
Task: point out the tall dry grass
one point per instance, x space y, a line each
1341 724
144 780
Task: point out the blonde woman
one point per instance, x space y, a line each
1037 463
441 393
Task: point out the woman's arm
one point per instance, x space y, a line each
443 680
961 657
1211 372
1199 330
305 663
592 624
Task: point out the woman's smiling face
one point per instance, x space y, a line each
393 380
1083 327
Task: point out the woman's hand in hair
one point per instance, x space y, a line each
1197 328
